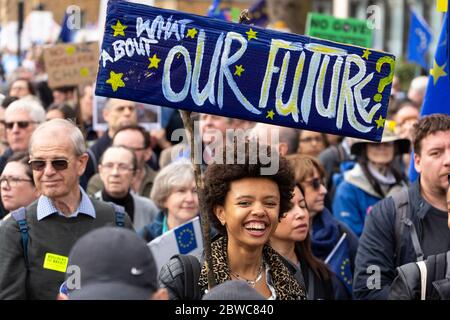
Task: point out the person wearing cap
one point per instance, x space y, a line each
233 290
373 178
391 239
111 263
33 267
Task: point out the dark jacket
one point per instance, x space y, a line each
52 235
317 289
153 230
377 245
407 285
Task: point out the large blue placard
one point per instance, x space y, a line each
200 64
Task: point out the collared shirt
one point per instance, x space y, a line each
46 207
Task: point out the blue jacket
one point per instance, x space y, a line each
154 229
354 198
376 260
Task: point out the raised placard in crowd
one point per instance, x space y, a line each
195 63
349 30
71 64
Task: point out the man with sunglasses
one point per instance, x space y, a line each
34 268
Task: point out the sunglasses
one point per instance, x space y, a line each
57 164
20 124
316 183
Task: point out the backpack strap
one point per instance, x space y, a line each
402 218
191 272
423 279
447 272
20 216
120 214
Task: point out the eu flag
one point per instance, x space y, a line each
420 38
339 262
185 236
437 95
66 35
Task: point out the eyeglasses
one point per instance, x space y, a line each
315 183
311 139
57 164
21 124
12 181
121 167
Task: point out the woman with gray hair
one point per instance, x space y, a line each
174 192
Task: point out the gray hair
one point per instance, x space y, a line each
28 105
176 174
74 134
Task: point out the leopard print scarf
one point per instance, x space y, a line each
286 287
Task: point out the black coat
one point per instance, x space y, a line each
376 253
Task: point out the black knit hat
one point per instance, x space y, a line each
114 264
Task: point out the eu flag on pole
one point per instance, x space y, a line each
184 239
66 35
437 95
339 262
420 38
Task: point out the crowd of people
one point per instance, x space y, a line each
339 219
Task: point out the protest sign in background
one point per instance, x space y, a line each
350 30
189 62
71 64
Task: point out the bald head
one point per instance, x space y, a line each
287 137
59 128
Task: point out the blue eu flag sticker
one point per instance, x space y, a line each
185 236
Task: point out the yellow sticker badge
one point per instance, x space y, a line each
55 262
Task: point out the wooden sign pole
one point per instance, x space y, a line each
204 219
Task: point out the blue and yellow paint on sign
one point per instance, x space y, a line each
184 61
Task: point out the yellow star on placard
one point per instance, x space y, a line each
119 29
251 34
437 71
84 72
366 54
115 80
191 33
270 114
380 122
154 61
239 70
70 50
